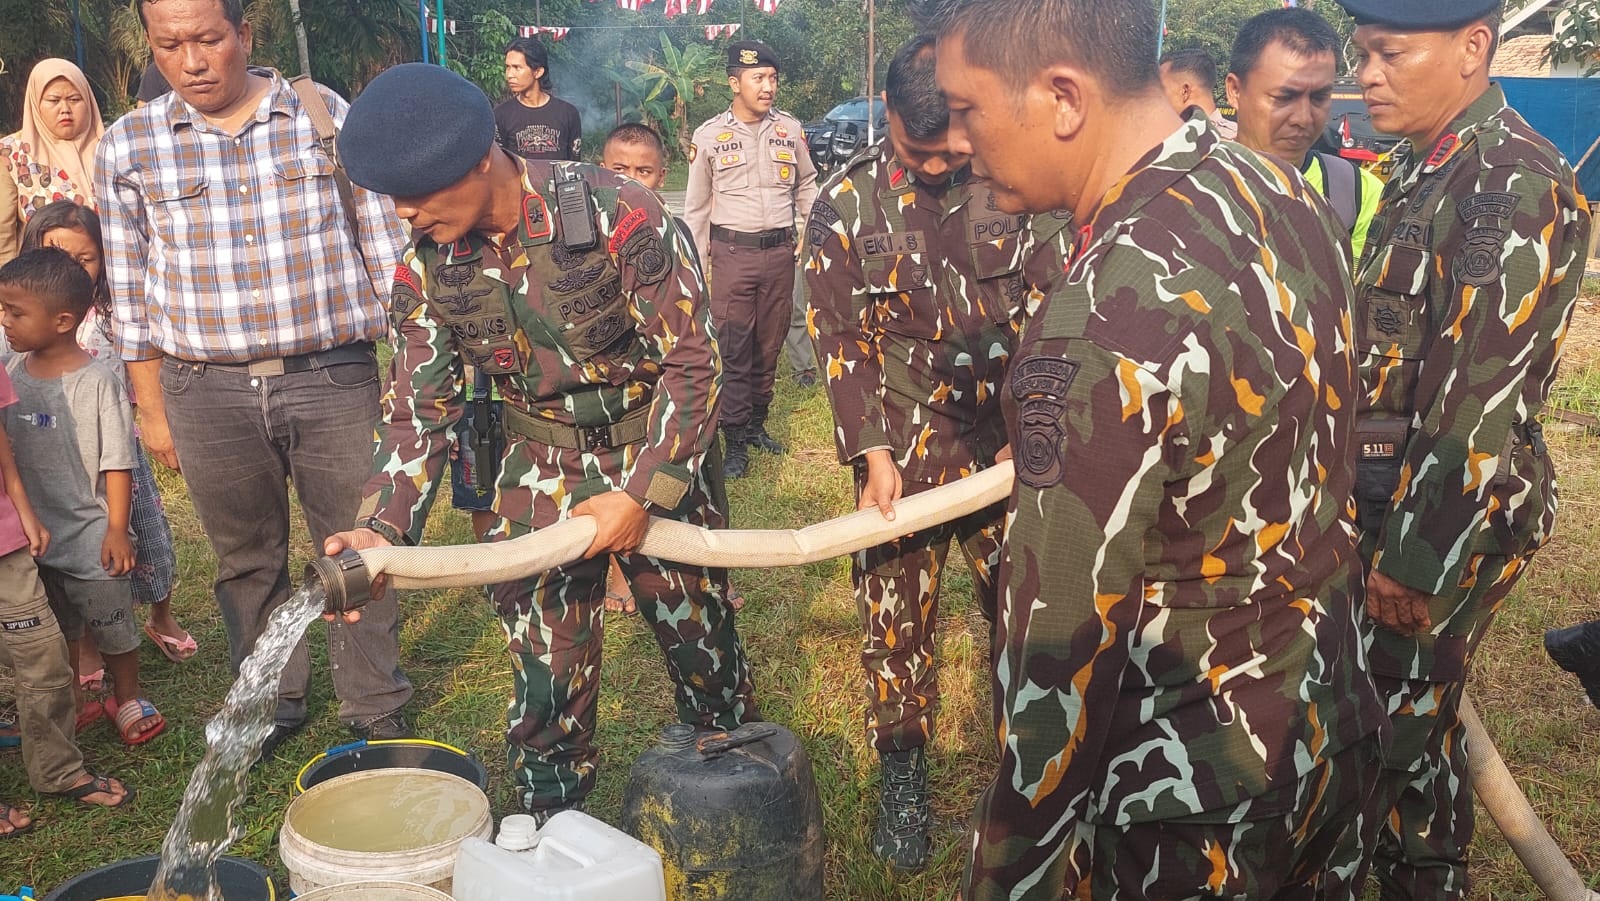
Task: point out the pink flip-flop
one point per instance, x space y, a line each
175 649
94 682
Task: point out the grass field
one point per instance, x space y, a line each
801 629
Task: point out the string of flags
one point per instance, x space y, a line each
556 32
674 8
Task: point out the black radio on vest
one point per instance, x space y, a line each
576 210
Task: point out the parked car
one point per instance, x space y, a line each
837 136
1350 133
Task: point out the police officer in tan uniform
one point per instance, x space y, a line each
750 182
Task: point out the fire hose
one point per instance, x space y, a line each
347 577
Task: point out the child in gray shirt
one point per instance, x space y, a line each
72 430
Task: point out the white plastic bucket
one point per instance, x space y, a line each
315 863
375 891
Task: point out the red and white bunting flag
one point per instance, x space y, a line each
676 8
767 6
449 26
527 31
715 31
630 5
556 33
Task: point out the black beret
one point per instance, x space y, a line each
415 129
1420 15
751 55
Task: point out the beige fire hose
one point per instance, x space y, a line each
473 565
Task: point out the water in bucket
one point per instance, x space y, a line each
406 814
205 825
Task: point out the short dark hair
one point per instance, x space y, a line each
911 89
1113 39
232 9
636 133
52 276
69 215
1301 32
535 57
1194 61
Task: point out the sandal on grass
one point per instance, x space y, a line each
621 603
90 714
94 682
175 649
97 785
15 830
130 715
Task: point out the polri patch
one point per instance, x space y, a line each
1040 384
995 228
646 256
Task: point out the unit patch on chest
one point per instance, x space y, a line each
458 276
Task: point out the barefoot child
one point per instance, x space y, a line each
76 230
73 433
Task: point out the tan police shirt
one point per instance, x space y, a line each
748 177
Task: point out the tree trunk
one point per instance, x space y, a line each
680 114
300 37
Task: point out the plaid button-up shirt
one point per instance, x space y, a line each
227 248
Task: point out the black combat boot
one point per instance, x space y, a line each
758 437
735 453
1576 649
901 839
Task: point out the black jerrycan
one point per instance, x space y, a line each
734 815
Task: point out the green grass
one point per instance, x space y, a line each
801 630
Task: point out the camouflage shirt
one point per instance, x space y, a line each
1178 627
1472 267
914 292
591 337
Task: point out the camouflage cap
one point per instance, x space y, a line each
1420 15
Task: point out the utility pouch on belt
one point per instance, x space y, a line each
485 438
1381 450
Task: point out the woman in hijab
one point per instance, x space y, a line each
52 157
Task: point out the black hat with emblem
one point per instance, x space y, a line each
416 128
1420 15
751 55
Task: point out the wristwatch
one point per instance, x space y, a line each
390 534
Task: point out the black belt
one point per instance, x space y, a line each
630 429
360 352
772 237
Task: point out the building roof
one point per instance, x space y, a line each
1522 57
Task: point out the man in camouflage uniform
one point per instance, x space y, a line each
603 351
914 287
1468 282
1183 708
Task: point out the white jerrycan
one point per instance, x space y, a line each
575 857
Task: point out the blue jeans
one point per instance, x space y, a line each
240 439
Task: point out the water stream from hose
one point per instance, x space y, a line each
205 825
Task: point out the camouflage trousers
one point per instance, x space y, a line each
554 625
1416 827
1274 846
897 595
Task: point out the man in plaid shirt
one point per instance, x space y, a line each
247 311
